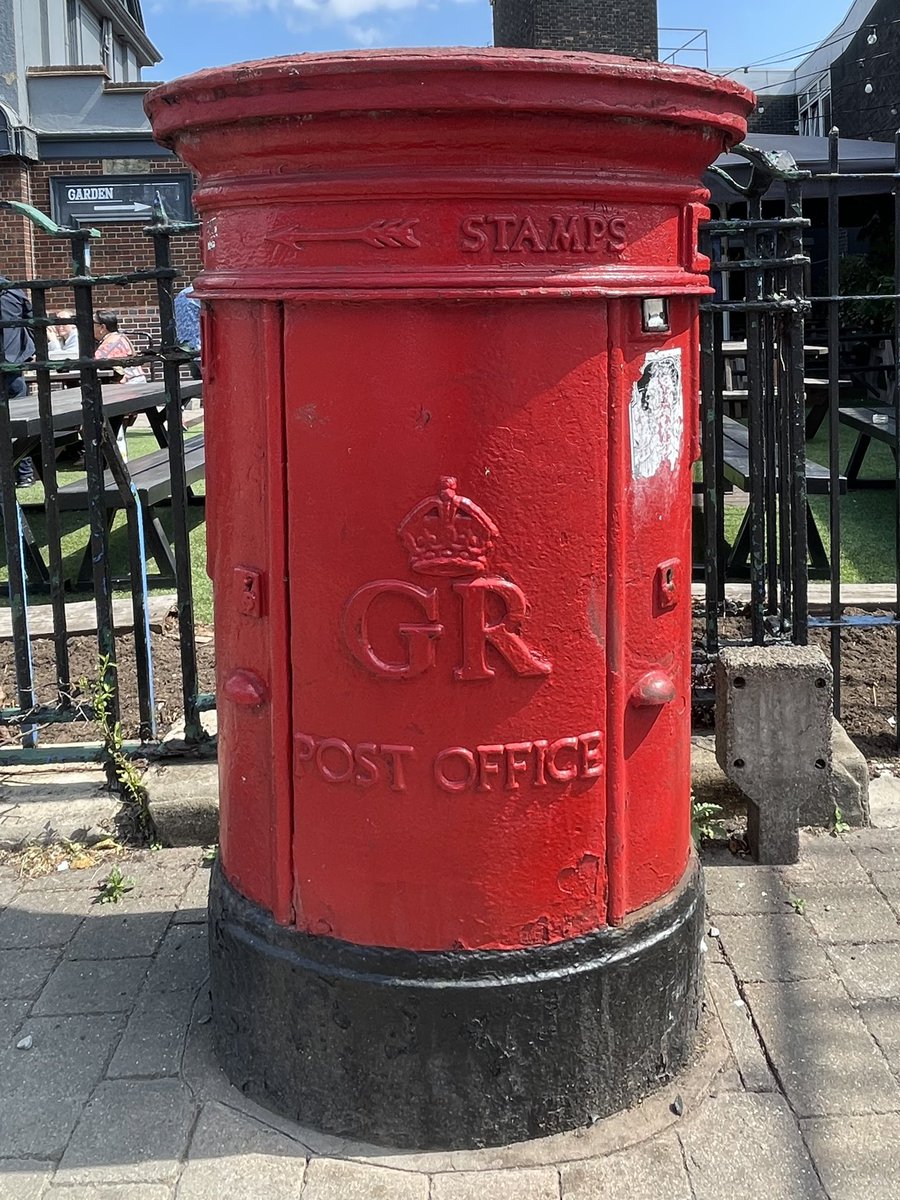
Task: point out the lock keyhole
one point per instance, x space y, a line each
249 591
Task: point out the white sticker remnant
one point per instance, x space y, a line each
657 414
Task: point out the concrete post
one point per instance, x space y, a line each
773 738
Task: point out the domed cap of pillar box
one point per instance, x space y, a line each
395 172
636 101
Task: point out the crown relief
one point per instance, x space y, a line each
448 534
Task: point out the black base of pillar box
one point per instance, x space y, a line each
459 1049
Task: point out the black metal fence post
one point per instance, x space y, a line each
834 402
173 356
896 399
94 464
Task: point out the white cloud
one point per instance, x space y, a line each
349 10
365 22
327 11
366 35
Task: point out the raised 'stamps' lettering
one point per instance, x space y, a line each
560 233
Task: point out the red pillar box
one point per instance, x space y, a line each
451 346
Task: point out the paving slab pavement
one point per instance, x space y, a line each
794 1094
51 804
44 804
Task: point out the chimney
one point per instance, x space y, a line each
626 27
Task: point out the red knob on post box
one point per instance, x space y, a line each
654 689
457 902
245 688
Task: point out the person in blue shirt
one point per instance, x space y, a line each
187 324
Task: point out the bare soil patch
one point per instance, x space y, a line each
868 689
84 664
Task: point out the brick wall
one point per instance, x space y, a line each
780 115
856 113
122 248
16 234
600 26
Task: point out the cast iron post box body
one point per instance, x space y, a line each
451 384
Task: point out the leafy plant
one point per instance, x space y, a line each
797 903
121 773
838 824
114 887
210 854
861 277
704 826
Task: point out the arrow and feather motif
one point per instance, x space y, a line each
398 234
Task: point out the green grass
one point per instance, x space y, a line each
868 518
75 536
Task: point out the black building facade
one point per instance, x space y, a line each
875 65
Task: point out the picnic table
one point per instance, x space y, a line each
736 471
871 373
871 424
149 474
814 385
119 400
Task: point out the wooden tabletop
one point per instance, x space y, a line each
741 348
877 423
119 399
66 375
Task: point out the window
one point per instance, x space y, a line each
815 108
91 30
106 48
120 62
92 41
72 42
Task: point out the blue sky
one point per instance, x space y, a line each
199 33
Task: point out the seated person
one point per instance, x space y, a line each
16 348
187 324
62 338
113 344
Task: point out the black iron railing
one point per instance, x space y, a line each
834 303
29 575
768 295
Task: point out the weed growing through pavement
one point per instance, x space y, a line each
704 826
113 887
122 775
838 824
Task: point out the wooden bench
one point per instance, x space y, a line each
871 425
152 481
736 470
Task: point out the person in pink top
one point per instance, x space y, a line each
110 345
113 344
